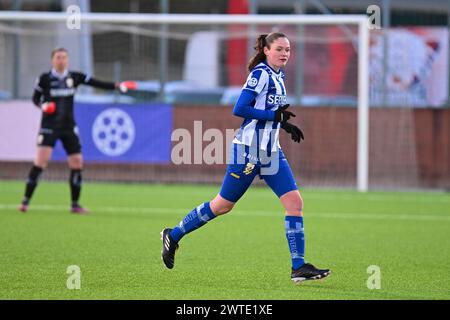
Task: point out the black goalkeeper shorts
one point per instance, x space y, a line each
69 138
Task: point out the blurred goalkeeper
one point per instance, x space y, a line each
54 94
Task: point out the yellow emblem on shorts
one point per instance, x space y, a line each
235 175
249 168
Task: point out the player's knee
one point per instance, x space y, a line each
41 163
293 203
76 162
224 208
298 203
78 165
220 206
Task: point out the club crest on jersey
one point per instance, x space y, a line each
252 82
69 82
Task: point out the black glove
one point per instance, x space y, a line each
296 133
281 115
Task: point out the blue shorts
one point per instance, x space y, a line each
244 167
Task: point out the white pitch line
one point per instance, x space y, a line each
400 197
240 212
376 198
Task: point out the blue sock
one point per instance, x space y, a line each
296 240
194 220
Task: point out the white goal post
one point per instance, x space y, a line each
361 21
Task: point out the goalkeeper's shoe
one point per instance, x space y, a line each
168 249
308 272
23 207
77 209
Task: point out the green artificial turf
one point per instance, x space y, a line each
242 255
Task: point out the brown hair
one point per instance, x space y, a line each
58 49
264 40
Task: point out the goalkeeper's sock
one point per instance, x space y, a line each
194 220
296 240
75 182
33 178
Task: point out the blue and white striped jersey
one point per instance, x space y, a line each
266 87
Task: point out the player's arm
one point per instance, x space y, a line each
38 91
87 80
101 84
37 95
123 87
39 99
244 107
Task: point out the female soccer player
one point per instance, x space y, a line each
54 94
256 151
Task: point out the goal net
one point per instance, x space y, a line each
197 64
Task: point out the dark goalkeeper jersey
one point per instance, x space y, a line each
61 88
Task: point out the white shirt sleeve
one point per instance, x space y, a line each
256 80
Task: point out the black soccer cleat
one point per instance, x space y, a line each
168 249
308 272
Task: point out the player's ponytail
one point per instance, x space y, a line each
263 40
260 55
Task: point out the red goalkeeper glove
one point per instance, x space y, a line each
48 107
127 85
